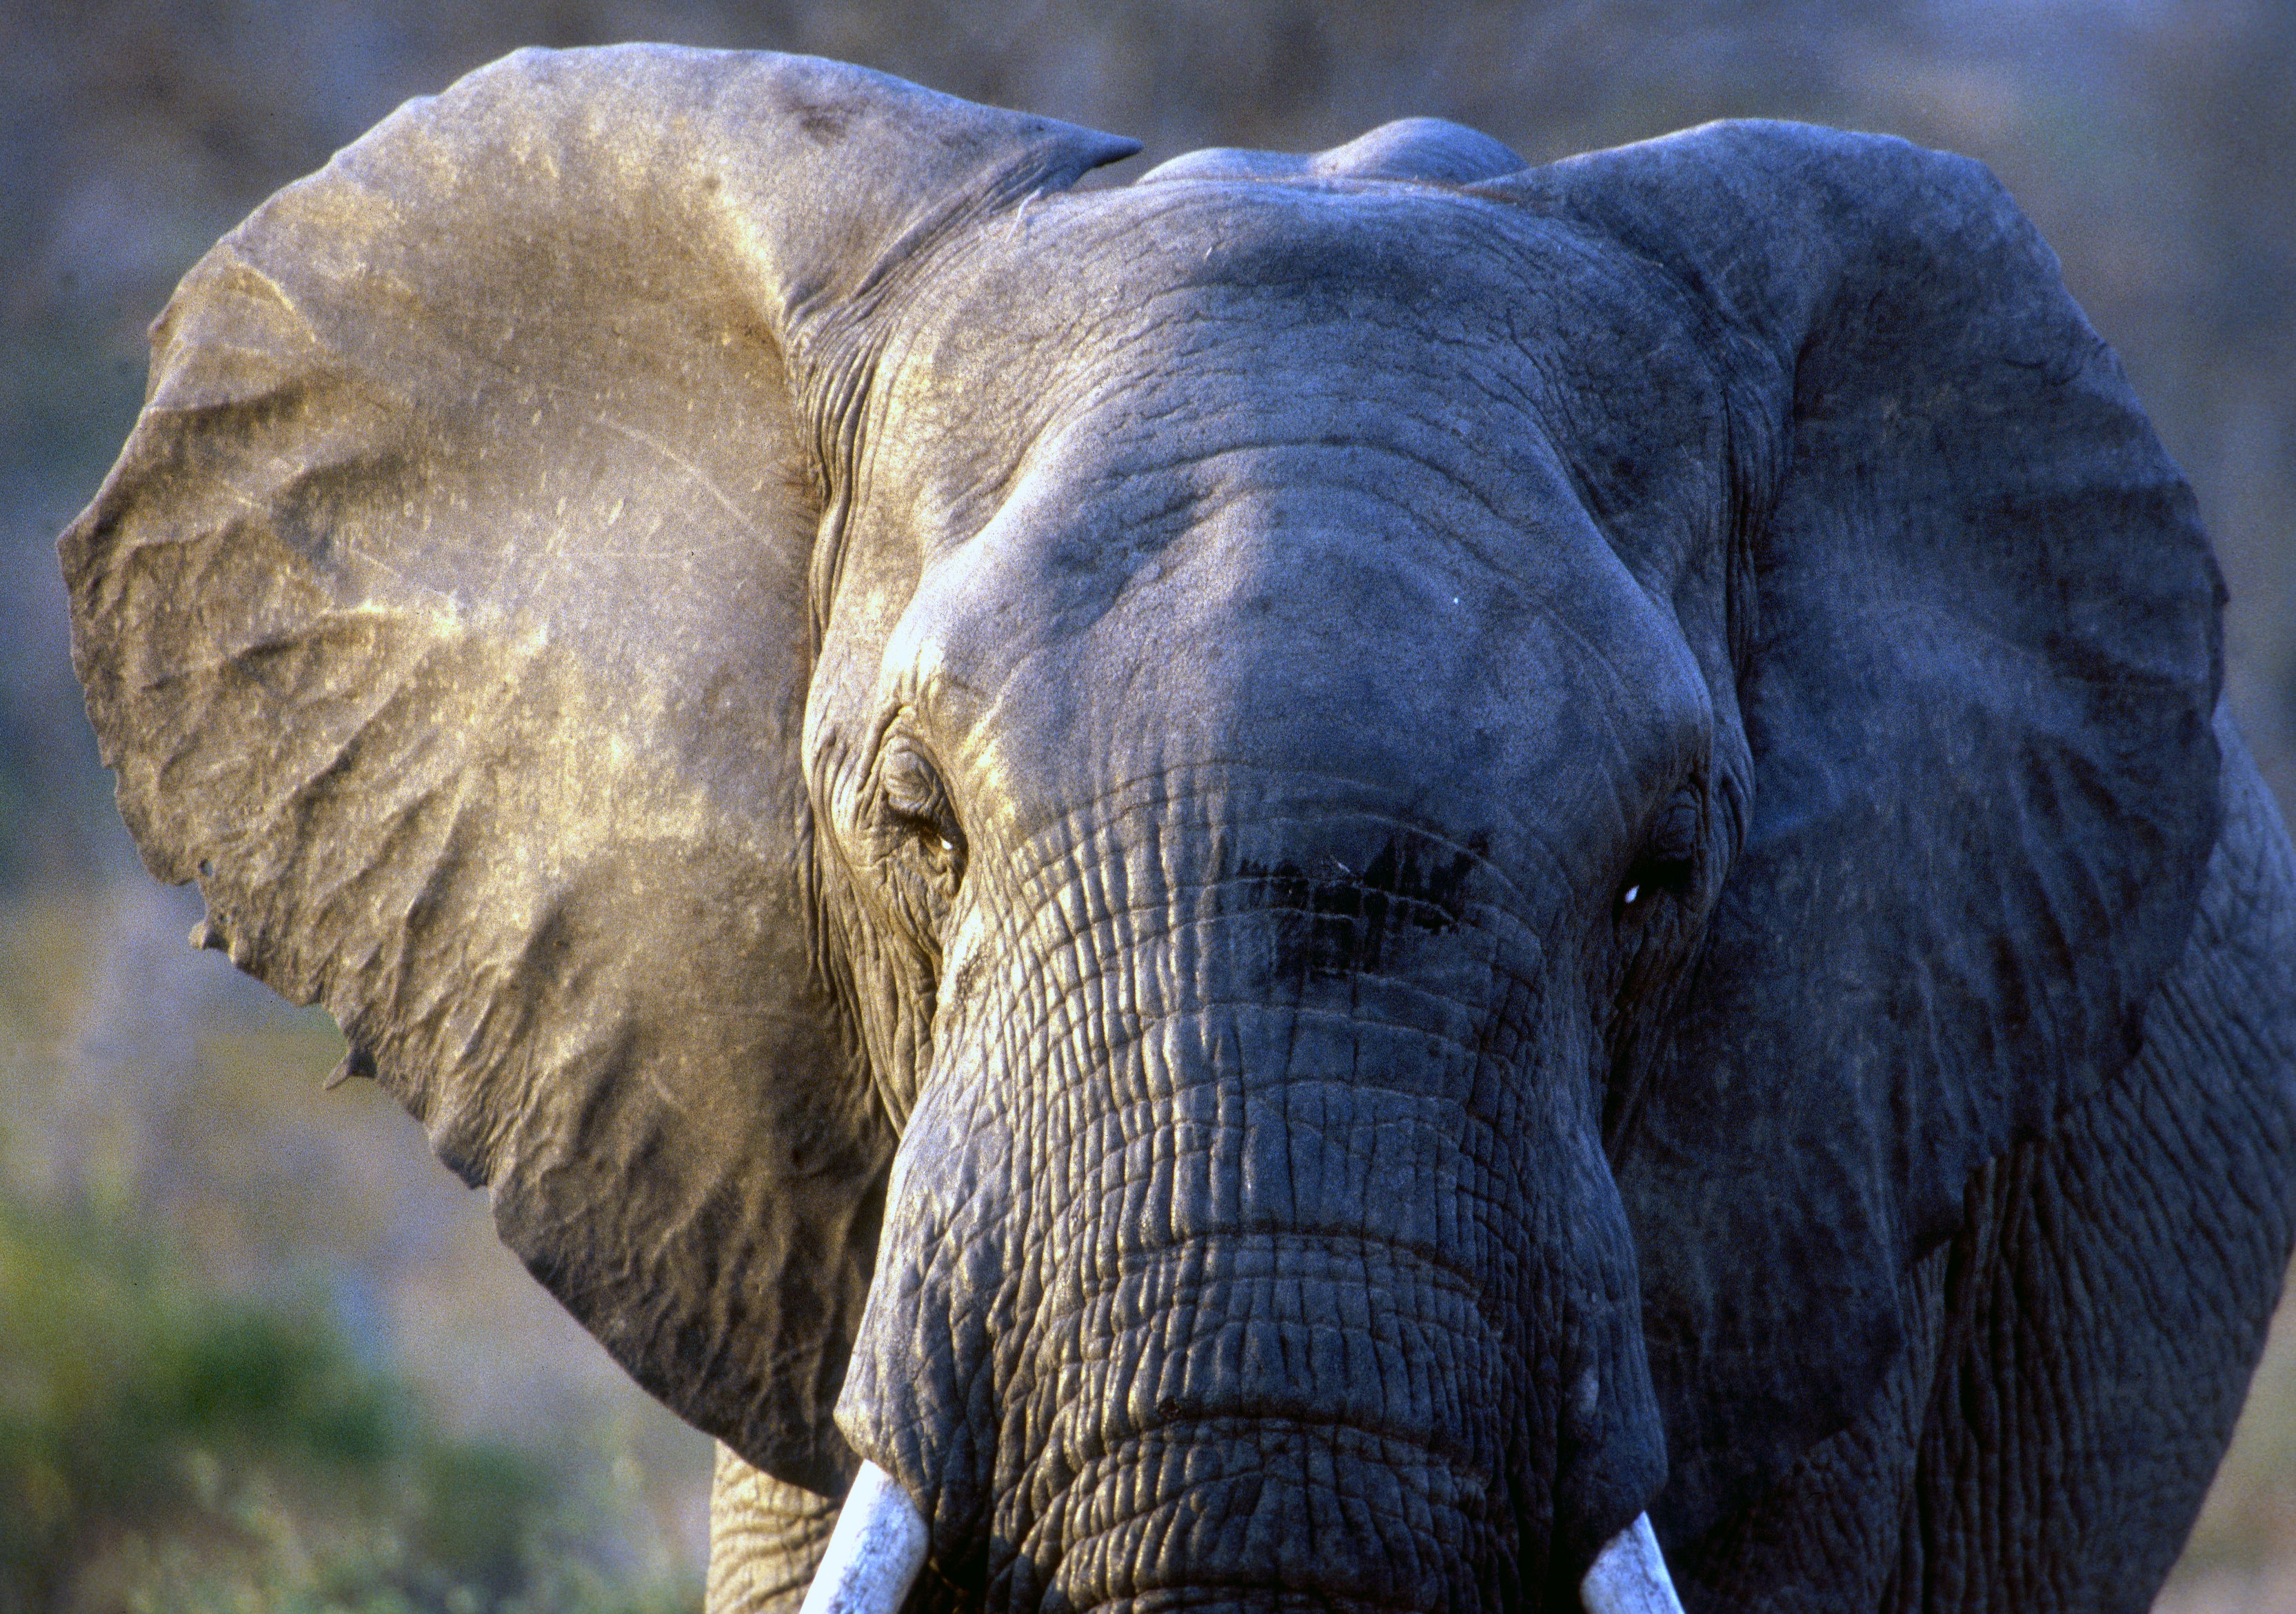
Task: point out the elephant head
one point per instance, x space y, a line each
1293 883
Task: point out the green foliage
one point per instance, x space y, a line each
165 1447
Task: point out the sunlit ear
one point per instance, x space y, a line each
447 619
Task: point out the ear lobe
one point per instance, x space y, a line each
446 616
1978 695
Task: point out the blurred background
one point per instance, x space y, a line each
257 1350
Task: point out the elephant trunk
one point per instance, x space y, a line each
1282 1408
1325 1290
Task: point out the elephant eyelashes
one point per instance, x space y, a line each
914 843
1668 864
918 808
1656 876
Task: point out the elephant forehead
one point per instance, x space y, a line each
1462 349
1393 253
1220 473
1296 617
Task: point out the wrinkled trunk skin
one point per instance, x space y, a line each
1257 1235
767 1537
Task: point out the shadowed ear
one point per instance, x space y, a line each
447 617
1977 669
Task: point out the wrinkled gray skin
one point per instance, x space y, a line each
1295 881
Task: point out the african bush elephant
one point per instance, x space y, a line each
1296 884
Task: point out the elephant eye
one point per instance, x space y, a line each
916 802
1655 876
1668 864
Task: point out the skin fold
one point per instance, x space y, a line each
1297 882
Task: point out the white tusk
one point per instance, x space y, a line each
874 1552
1629 1576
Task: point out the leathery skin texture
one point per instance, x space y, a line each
1237 1308
1297 881
2077 1246
767 1537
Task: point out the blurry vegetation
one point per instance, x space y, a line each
257 1354
2242 1553
233 1399
164 1445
